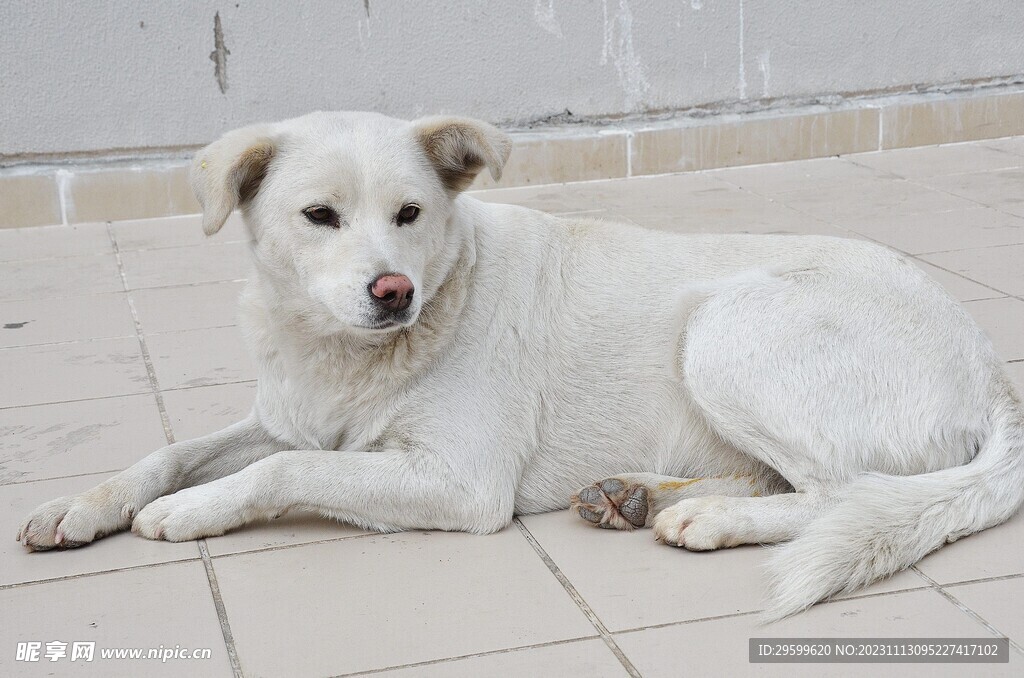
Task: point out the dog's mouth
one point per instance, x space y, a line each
387 324
380 327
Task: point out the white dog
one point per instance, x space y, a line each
427 360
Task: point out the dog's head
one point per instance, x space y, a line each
351 212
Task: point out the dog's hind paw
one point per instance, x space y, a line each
612 503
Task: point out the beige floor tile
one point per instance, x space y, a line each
821 173
119 551
179 231
719 647
754 140
672 193
45 242
575 157
1013 145
998 603
995 552
68 277
942 231
294 527
769 219
168 606
89 369
129 193
1003 320
877 199
711 207
933 161
958 286
996 267
555 198
29 200
44 321
190 307
186 265
590 658
653 192
658 584
1002 189
200 358
388 600
88 436
199 411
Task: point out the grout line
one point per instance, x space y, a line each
144 349
175 389
210 240
959 275
966 610
66 342
73 475
62 176
82 575
684 622
921 182
982 580
211 576
85 575
968 249
131 250
89 340
489 653
924 586
285 547
629 154
606 636
222 614
75 400
881 126
127 250
171 286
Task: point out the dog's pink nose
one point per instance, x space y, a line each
393 292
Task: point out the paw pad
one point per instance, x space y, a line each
611 503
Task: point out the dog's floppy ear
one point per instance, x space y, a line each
459 148
228 172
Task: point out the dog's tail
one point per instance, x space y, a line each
883 524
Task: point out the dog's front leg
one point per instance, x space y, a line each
390 490
110 506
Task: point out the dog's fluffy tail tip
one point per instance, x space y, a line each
789 589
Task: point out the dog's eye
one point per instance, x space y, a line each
321 215
408 214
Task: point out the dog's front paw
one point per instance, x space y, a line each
197 512
74 521
698 524
612 503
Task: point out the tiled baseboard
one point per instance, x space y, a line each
33 196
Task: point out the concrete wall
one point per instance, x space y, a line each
108 76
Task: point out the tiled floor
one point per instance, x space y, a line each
117 337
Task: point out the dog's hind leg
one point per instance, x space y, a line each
716 521
632 500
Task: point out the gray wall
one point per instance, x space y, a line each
103 76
